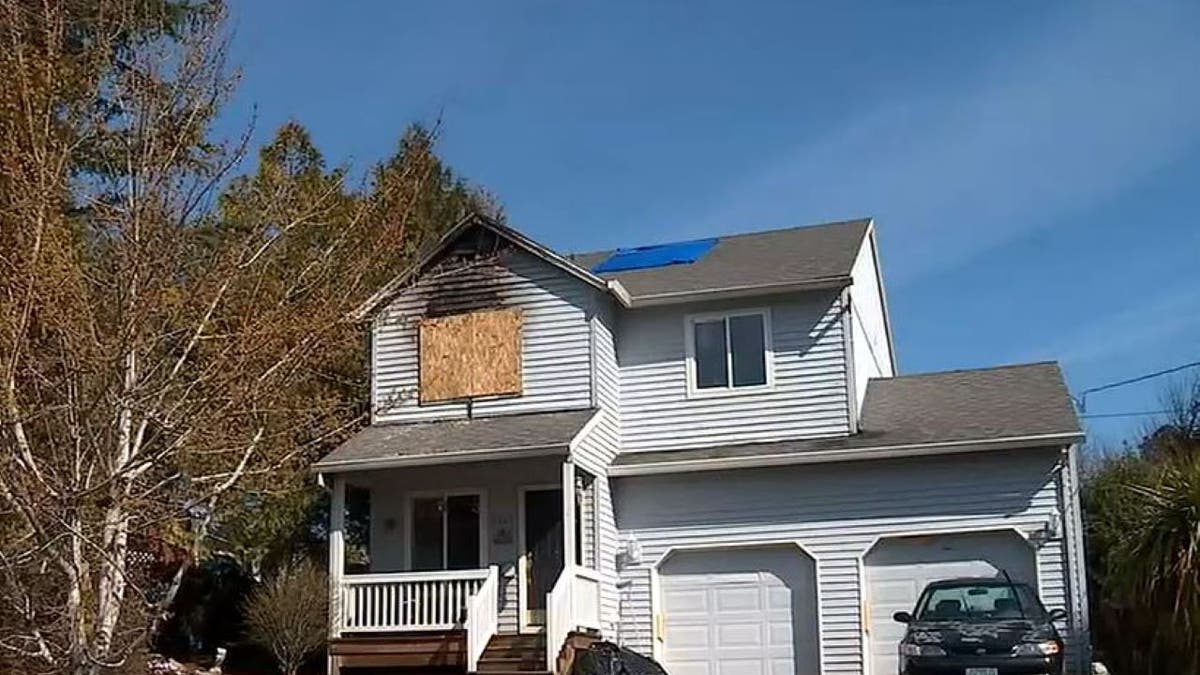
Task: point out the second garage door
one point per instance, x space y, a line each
898 568
745 611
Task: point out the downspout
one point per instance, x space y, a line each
1077 582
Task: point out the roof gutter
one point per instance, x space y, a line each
845 455
400 461
677 297
619 292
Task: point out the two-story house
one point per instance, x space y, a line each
701 451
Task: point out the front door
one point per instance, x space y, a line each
542 561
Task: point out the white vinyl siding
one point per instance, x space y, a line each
870 346
836 512
809 396
556 365
596 451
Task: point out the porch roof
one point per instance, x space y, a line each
481 438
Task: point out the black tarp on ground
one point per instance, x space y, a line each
606 658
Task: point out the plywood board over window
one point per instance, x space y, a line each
470 355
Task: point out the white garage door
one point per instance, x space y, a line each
897 570
749 611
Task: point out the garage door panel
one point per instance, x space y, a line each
780 633
783 667
736 666
683 601
898 569
733 635
730 612
691 668
739 599
895 591
689 637
779 599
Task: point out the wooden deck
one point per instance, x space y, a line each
443 653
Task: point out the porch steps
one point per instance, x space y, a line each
513 654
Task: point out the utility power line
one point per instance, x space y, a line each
1081 400
1141 413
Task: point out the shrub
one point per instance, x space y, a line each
288 614
1143 526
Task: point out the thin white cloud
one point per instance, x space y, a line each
1056 124
1143 324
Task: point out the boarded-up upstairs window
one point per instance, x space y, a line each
470 355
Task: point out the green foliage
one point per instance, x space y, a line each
1142 514
409 199
270 530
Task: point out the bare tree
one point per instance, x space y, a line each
1178 435
288 615
166 349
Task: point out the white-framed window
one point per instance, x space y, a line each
729 352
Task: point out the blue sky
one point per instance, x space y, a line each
1033 167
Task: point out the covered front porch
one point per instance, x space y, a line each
487 548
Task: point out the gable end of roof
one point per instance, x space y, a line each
367 310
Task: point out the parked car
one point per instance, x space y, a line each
980 626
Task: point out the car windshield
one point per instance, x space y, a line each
979 601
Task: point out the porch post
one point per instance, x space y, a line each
568 492
337 552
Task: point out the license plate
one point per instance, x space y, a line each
982 671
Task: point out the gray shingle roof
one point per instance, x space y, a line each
795 256
955 407
989 403
447 440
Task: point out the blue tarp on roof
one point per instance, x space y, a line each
659 255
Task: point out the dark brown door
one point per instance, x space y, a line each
544 549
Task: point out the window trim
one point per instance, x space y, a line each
689 341
410 523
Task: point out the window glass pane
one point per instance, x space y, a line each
710 354
357 528
462 532
427 534
749 350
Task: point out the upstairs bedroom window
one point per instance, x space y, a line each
729 351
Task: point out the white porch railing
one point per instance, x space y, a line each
573 604
482 617
586 598
408 601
